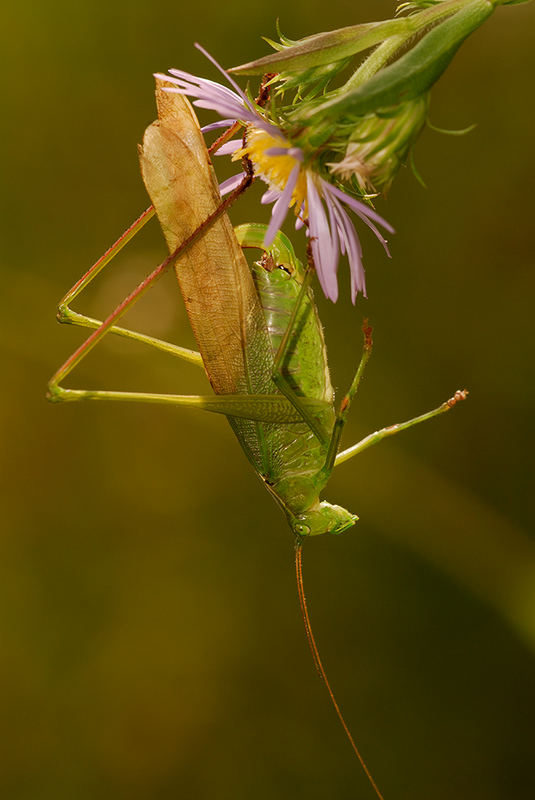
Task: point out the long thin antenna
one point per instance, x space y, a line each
319 666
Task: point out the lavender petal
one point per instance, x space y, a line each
280 209
231 183
222 123
320 238
270 196
229 147
225 73
354 251
334 230
360 208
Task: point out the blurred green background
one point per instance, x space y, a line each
151 640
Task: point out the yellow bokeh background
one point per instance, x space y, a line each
151 639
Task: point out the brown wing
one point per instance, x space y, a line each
214 277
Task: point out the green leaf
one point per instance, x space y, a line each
324 48
412 74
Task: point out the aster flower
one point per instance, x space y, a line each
293 179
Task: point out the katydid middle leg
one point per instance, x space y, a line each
66 315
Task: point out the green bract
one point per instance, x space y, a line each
412 74
363 130
324 48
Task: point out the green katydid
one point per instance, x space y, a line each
260 339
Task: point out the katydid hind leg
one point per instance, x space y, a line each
262 408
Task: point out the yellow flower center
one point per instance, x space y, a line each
274 169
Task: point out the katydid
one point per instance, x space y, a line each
259 334
260 339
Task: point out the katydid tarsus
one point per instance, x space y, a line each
259 335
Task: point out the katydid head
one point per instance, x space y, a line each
325 518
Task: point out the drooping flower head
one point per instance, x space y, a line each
322 148
295 176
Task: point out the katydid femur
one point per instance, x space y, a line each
259 335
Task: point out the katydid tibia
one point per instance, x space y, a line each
259 335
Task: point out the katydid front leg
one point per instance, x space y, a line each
378 436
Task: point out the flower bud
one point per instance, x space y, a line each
379 145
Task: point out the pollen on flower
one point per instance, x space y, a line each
275 168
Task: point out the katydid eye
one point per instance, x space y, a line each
288 270
302 530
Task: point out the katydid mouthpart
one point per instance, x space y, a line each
260 339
